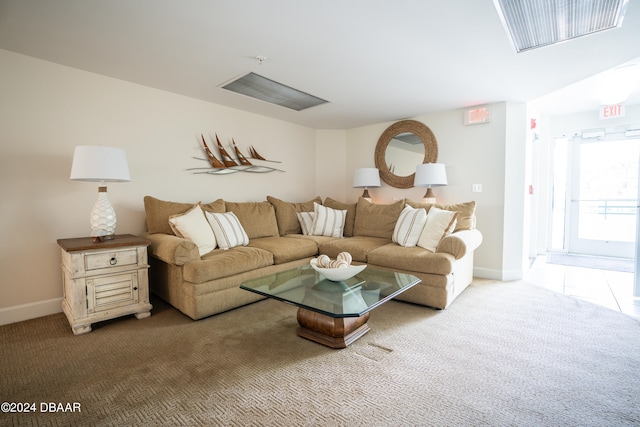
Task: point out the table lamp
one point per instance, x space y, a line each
365 178
430 175
100 164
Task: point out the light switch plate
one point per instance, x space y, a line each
476 188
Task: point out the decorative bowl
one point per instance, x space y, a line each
337 274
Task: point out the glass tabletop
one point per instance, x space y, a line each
306 288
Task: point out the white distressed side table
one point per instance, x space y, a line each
104 280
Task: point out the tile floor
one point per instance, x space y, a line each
612 289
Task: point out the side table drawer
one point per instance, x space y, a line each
108 292
96 261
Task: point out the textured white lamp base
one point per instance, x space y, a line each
429 197
103 217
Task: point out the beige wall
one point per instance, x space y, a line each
48 109
474 154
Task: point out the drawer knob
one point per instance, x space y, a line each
135 289
113 261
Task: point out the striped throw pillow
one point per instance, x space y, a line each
409 226
306 221
227 229
327 222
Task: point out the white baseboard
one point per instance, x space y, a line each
18 313
509 275
502 275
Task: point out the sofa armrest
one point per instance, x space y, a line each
172 249
460 243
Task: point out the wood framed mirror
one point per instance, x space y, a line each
401 147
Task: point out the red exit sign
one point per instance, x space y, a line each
477 115
611 111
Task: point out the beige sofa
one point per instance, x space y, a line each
202 286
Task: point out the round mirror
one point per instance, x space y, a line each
402 147
403 153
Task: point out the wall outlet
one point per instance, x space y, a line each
476 188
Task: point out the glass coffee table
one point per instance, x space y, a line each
332 313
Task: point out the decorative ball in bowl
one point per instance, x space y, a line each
338 274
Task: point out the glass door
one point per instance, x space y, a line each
603 197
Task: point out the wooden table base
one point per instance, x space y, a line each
334 332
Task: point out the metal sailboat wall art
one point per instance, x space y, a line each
227 164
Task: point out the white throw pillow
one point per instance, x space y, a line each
409 226
227 229
306 221
327 221
193 226
439 224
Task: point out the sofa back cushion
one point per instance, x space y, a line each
466 212
158 212
351 214
286 214
257 218
374 220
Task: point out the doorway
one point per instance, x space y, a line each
595 195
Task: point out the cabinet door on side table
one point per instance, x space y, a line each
112 291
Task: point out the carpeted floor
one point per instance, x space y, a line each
503 354
585 261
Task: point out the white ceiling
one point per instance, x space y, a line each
374 60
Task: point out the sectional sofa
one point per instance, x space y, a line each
200 281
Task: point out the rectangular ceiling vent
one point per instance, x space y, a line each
535 23
265 89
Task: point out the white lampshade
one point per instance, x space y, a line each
430 175
100 164
97 164
366 177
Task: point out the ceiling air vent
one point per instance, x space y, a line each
535 23
265 89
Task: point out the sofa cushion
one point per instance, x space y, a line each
351 213
286 214
227 229
409 226
257 218
411 259
285 250
466 212
219 263
217 206
316 239
193 226
158 212
357 246
375 220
